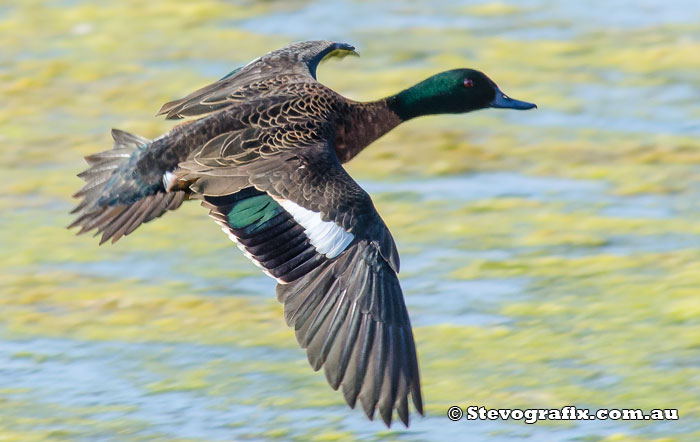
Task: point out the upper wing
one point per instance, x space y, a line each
308 224
309 178
293 63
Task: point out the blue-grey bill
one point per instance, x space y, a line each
503 101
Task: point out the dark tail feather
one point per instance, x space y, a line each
116 220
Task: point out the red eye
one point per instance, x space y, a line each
468 82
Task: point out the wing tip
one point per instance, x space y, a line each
379 385
169 109
350 49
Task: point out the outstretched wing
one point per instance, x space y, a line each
293 63
309 225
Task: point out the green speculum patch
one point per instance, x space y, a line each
252 214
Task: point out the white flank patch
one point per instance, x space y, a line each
326 236
167 179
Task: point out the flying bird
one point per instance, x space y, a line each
264 155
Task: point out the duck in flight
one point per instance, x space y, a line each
265 157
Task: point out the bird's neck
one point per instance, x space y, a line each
361 125
365 122
420 99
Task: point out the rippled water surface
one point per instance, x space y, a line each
549 258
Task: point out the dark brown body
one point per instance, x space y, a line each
265 157
354 125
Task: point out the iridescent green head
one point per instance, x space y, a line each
453 92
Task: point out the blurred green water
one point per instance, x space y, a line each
550 258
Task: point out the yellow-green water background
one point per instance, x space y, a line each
550 257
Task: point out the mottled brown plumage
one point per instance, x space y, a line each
264 156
